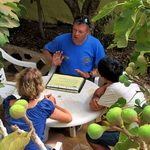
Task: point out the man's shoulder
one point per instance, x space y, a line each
92 38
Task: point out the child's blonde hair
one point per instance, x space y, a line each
29 83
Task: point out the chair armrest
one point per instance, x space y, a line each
56 146
52 70
59 146
16 61
96 80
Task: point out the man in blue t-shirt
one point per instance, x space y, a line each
76 53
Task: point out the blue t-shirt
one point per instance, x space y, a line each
84 57
37 115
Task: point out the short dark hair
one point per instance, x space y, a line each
110 69
82 20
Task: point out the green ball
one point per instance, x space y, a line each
129 70
129 115
144 132
95 131
131 64
146 114
141 59
17 111
22 102
113 116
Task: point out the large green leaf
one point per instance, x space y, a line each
3 39
123 27
8 22
141 68
107 9
6 1
131 4
22 11
121 102
13 6
4 31
15 141
127 144
7 10
143 38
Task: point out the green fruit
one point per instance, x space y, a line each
141 59
123 78
95 130
129 70
17 111
113 116
129 115
144 132
132 65
22 102
146 114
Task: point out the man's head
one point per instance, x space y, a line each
80 30
110 69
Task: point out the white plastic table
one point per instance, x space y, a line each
76 103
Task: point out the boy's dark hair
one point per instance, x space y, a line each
82 20
110 69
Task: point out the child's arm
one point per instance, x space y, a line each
60 114
96 96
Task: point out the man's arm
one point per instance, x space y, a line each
48 56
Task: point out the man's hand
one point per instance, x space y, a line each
57 58
83 74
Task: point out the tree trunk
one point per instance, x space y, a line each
40 18
90 7
74 7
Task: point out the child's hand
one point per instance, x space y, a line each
51 98
101 90
94 104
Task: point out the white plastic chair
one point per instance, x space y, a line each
13 61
